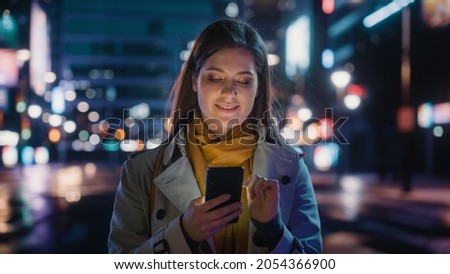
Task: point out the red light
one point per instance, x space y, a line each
326 128
355 90
328 6
405 119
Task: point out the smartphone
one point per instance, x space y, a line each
222 180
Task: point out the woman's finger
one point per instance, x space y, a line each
255 185
210 204
215 224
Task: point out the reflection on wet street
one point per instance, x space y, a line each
361 214
56 209
67 209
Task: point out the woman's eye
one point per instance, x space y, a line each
245 82
214 79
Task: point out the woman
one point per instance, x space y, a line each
220 117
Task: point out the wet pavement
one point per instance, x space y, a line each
361 214
67 208
56 209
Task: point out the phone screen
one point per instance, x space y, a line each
224 180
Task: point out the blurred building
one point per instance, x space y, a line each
395 53
99 73
89 79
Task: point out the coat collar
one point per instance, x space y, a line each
177 181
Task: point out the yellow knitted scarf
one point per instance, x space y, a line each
236 148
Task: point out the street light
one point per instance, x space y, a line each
340 80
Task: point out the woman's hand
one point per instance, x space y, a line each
263 198
200 222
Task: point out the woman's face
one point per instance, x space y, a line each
226 88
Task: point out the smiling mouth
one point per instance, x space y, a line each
227 107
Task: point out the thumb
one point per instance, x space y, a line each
246 182
198 201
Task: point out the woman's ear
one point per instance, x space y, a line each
194 84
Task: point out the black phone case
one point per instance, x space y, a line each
222 180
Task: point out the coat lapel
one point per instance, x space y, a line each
276 162
178 184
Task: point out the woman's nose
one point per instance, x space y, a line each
229 89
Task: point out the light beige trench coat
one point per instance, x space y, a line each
134 229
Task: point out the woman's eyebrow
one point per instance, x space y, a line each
221 70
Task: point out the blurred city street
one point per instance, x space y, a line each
66 209
362 87
56 209
361 214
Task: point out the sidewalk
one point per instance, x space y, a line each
67 209
360 214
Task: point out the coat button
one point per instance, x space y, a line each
160 214
285 179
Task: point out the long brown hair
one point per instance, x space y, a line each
227 33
